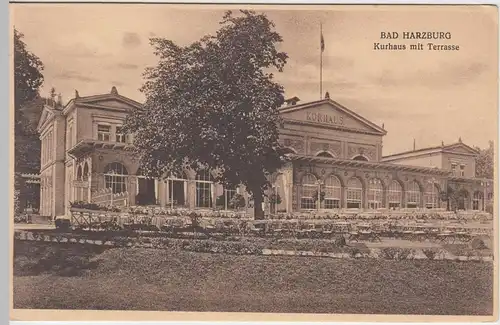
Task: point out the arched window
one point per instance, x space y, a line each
79 173
413 195
375 193
333 191
309 187
477 201
394 195
115 176
360 157
354 194
431 195
288 150
324 154
86 172
204 184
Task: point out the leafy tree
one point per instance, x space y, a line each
214 104
27 107
27 78
454 197
485 162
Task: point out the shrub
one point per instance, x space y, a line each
394 253
478 243
354 252
430 253
237 202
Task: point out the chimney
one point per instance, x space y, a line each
413 144
292 101
442 143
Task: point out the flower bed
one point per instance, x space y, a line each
257 246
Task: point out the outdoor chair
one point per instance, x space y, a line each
354 235
327 231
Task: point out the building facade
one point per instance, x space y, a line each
336 163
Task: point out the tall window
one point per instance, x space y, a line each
413 195
70 134
333 191
103 132
50 146
394 195
431 196
79 174
120 136
309 186
177 186
462 170
375 194
454 169
229 193
354 194
86 172
115 175
204 189
477 201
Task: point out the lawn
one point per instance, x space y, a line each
155 279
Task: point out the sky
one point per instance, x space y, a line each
429 96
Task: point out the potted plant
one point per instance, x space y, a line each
321 196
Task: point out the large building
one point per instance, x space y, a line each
334 151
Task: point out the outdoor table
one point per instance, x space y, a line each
444 236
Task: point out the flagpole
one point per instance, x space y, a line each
321 61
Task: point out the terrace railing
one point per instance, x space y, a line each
106 197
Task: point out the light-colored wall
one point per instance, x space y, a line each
468 161
425 160
309 140
88 119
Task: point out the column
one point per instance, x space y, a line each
156 191
132 189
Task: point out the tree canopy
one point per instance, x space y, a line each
28 78
27 108
485 164
214 104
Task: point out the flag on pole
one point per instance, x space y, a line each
322 42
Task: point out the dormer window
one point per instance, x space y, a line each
120 136
103 132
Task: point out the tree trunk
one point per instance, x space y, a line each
258 213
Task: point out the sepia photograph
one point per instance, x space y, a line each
265 159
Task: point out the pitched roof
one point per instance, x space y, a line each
338 106
442 147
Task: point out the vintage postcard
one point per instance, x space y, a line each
254 162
